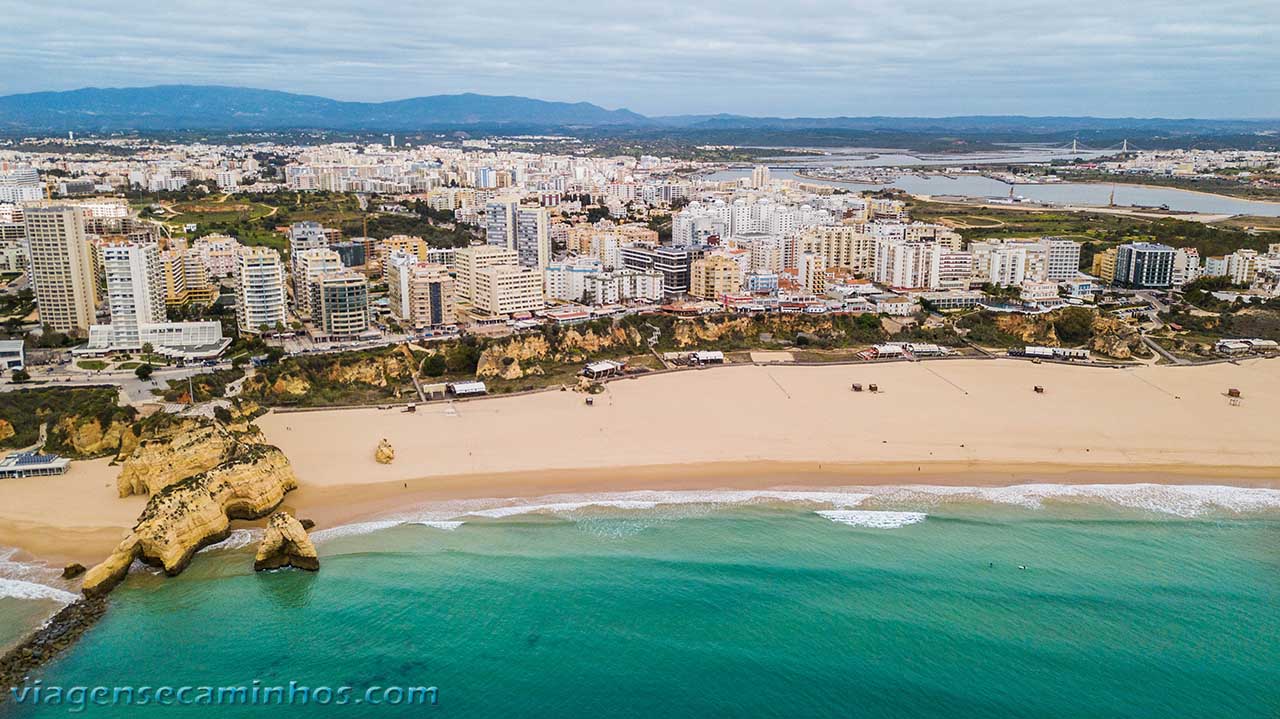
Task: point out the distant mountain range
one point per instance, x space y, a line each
219 108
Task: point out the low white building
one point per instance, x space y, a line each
13 355
895 305
177 340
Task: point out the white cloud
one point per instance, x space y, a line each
804 57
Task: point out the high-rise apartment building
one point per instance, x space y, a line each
134 290
1142 265
340 303
420 294
1062 258
61 267
260 290
500 223
841 246
672 262
217 253
533 237
506 289
470 260
714 276
308 267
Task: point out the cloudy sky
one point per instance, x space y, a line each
1171 58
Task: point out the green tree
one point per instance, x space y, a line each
20 375
435 366
1074 325
144 371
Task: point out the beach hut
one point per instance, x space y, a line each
591 401
874 387
1233 393
857 387
1039 389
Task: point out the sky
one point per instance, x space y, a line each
1112 58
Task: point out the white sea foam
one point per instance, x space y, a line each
647 500
558 508
439 524
1174 499
31 580
238 539
18 589
885 504
872 519
352 530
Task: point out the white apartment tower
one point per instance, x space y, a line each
309 266
135 290
260 290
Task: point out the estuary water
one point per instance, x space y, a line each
1059 603
1063 193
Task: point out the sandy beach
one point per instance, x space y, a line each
75 517
963 422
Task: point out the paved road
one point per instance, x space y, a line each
1155 347
133 390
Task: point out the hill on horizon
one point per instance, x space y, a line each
224 108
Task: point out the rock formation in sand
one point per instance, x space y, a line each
171 455
187 515
286 544
385 453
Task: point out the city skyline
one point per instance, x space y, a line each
924 58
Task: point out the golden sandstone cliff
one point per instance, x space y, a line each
286 544
193 447
200 476
91 439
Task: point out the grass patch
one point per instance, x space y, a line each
91 364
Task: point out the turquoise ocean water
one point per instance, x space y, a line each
694 610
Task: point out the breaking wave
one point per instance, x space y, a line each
866 506
872 519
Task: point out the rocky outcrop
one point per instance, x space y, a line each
73 570
179 452
519 356
186 516
375 371
87 437
497 359
1032 330
690 333
286 384
1116 338
286 544
294 378
385 453
6 430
